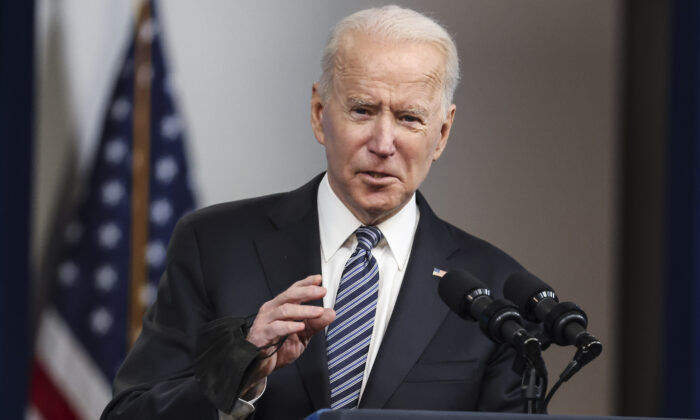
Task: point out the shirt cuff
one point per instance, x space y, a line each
245 407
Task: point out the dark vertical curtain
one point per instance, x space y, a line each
643 158
16 98
682 341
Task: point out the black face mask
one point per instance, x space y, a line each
225 360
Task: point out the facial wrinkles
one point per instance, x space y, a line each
426 85
388 86
365 67
401 100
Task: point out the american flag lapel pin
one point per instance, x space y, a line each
438 272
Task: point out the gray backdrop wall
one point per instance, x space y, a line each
531 164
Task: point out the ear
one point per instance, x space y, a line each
445 132
317 114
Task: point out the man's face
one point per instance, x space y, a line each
383 124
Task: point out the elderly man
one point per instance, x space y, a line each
337 277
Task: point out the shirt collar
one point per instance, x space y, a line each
337 224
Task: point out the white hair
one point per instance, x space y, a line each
393 23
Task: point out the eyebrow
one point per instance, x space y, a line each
357 101
414 110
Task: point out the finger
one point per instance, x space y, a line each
314 325
279 329
302 291
291 311
287 311
273 332
314 279
298 294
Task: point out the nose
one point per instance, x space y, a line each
383 136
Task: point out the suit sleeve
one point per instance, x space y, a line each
500 387
156 380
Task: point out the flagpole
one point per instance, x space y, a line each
140 170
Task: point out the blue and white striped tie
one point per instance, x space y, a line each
348 336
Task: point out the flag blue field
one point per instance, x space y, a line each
115 245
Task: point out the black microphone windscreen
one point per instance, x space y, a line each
521 286
454 287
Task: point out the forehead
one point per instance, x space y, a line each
364 63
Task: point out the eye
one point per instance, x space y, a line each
411 119
360 111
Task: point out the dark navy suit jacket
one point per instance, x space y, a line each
230 258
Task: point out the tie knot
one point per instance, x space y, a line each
368 237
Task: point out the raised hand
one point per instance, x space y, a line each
285 315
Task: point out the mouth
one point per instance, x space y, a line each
376 175
377 179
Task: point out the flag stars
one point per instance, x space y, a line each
101 321
120 109
68 273
116 150
161 211
109 235
170 127
105 278
166 169
155 254
92 279
112 192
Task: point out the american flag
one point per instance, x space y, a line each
115 245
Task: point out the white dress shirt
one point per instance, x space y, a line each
337 226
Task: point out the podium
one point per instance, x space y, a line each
373 414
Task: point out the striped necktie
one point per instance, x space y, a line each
348 336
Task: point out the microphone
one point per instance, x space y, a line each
499 319
565 323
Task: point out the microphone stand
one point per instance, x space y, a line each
530 366
588 349
531 387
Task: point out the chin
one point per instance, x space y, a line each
379 210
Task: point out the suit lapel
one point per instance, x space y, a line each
418 311
290 252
